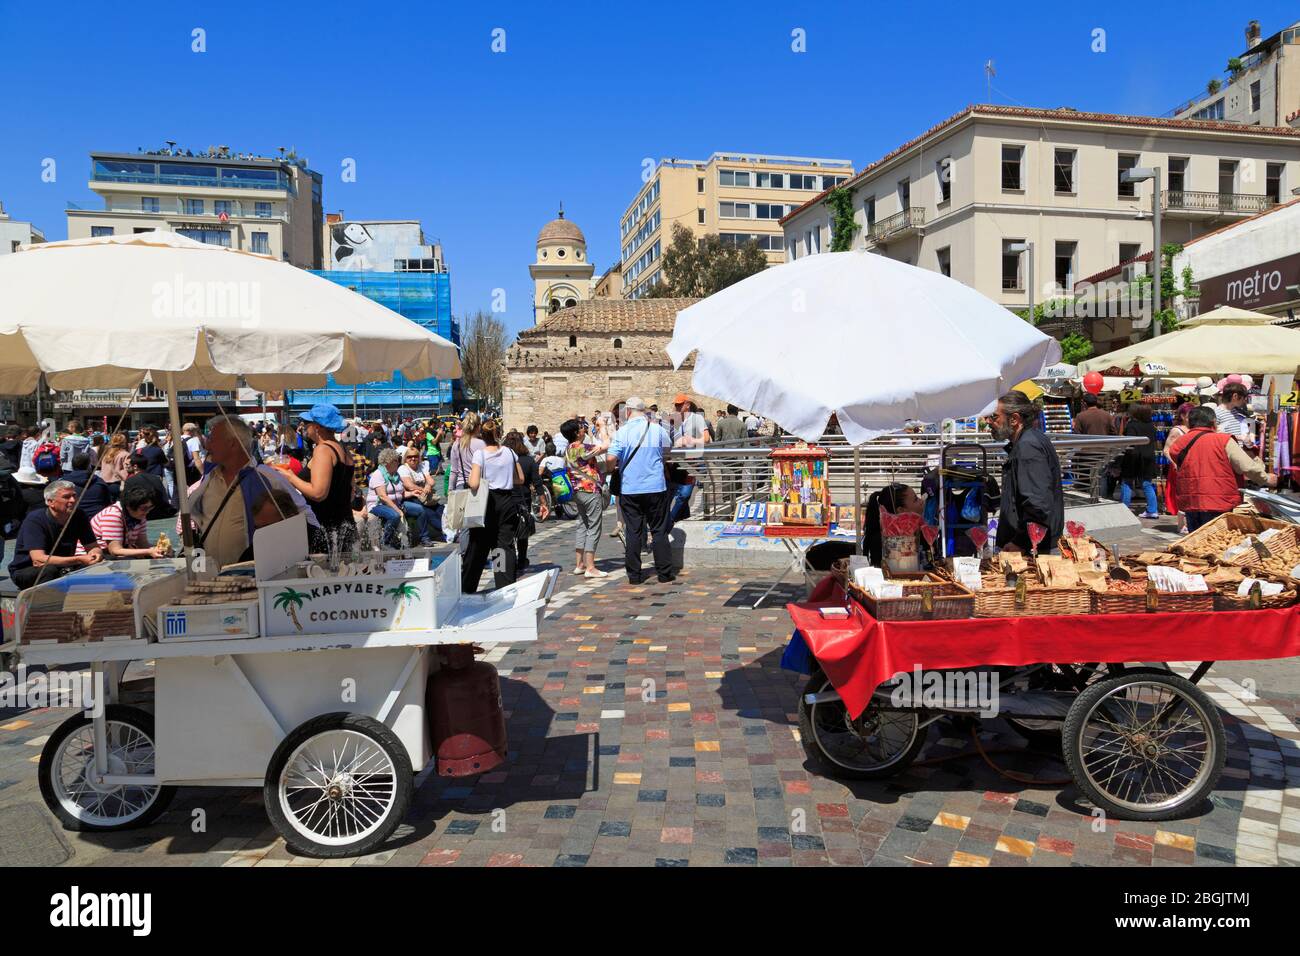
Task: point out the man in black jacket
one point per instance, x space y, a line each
1031 477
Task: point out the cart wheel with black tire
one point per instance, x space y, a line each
338 785
1144 745
879 743
68 779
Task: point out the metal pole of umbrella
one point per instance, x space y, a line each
859 530
178 466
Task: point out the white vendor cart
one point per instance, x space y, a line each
314 691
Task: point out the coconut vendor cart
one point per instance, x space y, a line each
329 685
311 676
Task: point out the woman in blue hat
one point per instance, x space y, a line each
328 485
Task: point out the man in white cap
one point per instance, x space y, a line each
638 451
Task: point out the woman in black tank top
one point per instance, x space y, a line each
329 487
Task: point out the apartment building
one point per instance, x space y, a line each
269 205
1261 88
738 196
963 197
379 245
14 233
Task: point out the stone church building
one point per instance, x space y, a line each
586 353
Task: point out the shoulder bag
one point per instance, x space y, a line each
465 508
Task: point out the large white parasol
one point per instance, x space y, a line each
103 312
869 339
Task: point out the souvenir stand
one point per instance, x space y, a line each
798 510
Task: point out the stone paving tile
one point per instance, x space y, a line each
653 726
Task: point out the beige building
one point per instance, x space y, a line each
609 285
256 203
1263 91
738 196
962 197
14 233
592 355
561 272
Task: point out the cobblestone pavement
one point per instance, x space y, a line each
652 726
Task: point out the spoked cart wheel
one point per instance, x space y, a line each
338 785
67 773
880 743
1144 745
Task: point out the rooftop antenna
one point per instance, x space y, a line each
561 208
989 73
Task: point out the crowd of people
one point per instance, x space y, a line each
1205 473
359 484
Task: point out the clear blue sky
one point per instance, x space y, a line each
481 147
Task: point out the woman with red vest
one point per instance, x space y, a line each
1209 467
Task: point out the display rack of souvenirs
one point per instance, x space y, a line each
799 498
1057 419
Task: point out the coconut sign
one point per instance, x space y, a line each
357 604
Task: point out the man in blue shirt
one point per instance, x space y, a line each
638 451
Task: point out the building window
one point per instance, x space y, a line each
699 213
618 343
817 239
1065 265
1128 251
1212 112
570 303
149 204
554 305
699 184
98 231
193 207
944 259
1254 97
943 172
792 249
1227 177
221 207
770 180
1177 174
262 210
869 212
573 340
1012 157
1011 266
734 210
1063 170
559 253
210 237
262 243
807 242
1273 183
905 194
733 177
1126 162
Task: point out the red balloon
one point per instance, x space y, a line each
1092 382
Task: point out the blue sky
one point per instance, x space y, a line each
482 146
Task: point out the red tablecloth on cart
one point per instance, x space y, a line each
859 653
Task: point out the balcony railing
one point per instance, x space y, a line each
910 218
206 182
1244 203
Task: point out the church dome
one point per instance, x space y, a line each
561 229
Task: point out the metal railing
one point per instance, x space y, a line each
909 218
207 182
727 473
1201 201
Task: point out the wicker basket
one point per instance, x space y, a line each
1034 601
1151 601
1196 544
1226 598
921 601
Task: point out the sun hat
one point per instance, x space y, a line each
680 398
29 476
326 416
635 404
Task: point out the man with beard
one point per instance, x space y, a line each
1031 477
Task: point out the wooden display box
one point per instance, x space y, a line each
799 497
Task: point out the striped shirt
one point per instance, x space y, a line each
1233 422
110 525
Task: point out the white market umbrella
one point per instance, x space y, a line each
103 312
874 341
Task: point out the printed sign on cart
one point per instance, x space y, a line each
345 606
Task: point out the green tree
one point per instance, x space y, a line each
843 226
1075 348
697 268
483 354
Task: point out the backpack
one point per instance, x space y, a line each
46 458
